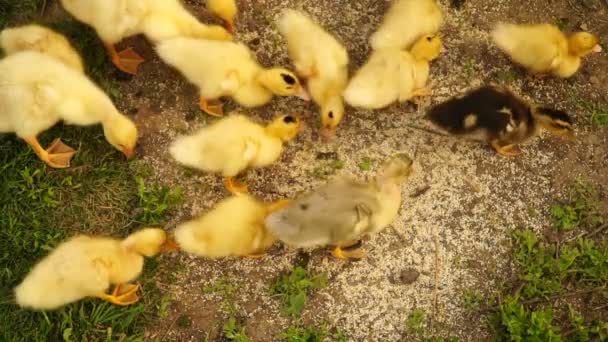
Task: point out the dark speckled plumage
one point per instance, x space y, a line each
498 115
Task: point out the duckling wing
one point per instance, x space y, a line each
337 212
538 47
405 22
377 83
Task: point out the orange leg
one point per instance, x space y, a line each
126 60
216 109
122 295
234 186
57 155
349 250
506 150
422 92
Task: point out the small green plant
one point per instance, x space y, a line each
328 168
293 289
598 112
562 23
472 299
365 164
416 321
506 76
312 334
163 306
470 67
234 331
520 324
227 290
156 201
565 217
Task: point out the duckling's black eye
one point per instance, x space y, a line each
429 38
331 115
288 79
289 119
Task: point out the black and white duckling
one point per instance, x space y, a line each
499 117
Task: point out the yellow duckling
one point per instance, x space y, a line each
227 69
343 210
37 91
40 39
322 60
543 48
86 267
234 144
405 22
393 75
156 19
234 227
226 10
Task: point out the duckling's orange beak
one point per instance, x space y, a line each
129 152
597 48
169 246
229 25
303 94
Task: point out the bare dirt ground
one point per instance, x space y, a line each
459 205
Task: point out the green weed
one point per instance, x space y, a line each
312 334
522 324
582 208
506 76
13 12
416 321
365 164
293 289
470 67
472 299
224 288
328 168
155 201
598 112
234 331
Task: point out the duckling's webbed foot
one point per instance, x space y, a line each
125 294
216 108
350 250
509 150
234 186
426 91
58 155
126 60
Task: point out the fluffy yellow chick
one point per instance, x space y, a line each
156 19
405 22
392 74
234 227
222 68
38 91
43 40
226 10
86 267
234 144
543 48
323 60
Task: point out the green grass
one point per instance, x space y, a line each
416 321
366 164
582 208
41 207
522 324
233 331
597 112
312 334
293 289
